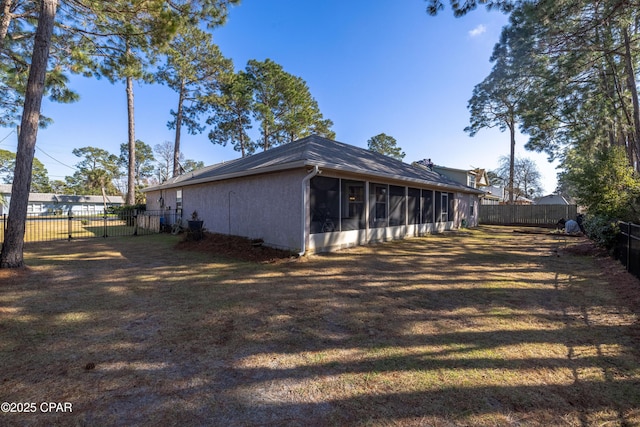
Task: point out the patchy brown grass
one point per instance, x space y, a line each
485 327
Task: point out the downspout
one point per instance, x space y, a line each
305 180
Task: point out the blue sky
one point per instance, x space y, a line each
373 66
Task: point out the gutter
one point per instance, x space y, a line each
305 180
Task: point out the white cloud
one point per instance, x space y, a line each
477 31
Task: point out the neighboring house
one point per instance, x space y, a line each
517 200
317 195
493 195
61 204
552 199
475 178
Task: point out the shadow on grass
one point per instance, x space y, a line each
482 329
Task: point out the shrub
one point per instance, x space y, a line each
602 230
126 213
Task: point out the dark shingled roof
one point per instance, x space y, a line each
326 154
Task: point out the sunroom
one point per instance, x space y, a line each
345 212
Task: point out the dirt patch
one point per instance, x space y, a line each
236 247
585 248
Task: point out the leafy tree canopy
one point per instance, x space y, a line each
40 177
462 8
50 36
387 145
283 105
194 70
144 160
231 114
606 183
97 169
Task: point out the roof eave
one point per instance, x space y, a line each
250 172
306 163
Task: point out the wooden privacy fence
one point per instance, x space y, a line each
526 214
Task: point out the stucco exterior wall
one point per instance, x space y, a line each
266 206
463 210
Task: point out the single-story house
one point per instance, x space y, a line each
61 204
493 195
317 194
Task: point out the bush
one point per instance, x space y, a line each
126 213
602 230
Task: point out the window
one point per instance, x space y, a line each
397 205
352 205
179 203
413 205
471 180
378 202
324 204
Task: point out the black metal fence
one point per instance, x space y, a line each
628 247
44 228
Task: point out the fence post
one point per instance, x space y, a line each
104 222
135 222
70 227
629 246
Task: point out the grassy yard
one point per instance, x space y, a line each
483 327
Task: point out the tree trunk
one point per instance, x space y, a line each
512 131
176 144
5 19
265 137
12 250
241 135
131 183
631 82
